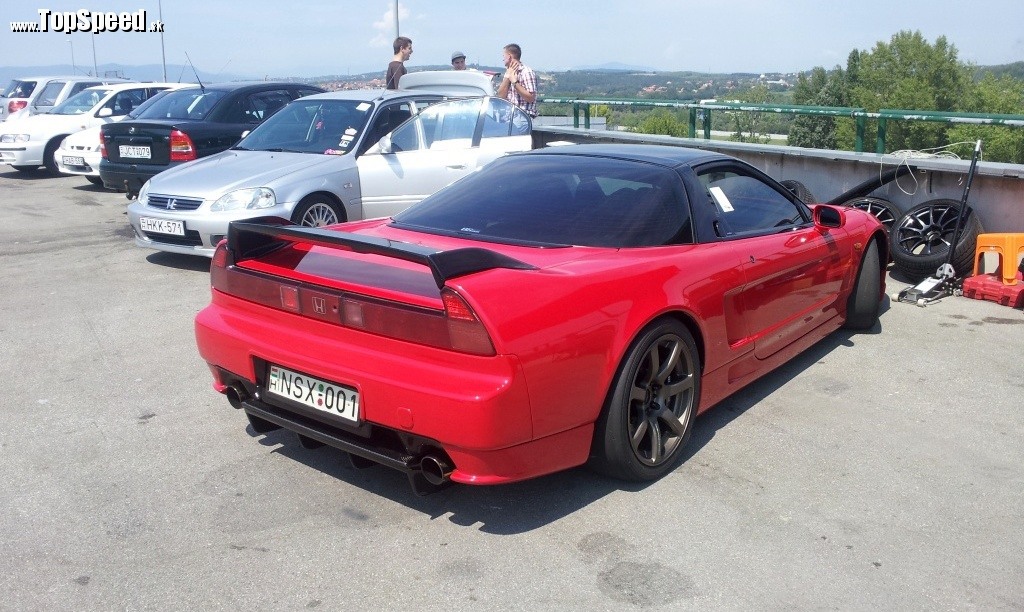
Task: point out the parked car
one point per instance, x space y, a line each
193 123
80 153
34 95
315 164
29 143
562 306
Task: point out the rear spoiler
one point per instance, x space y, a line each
252 238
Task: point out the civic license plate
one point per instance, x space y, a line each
314 393
74 161
135 152
162 226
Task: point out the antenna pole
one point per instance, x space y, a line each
163 53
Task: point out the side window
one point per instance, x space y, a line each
48 96
266 103
124 102
746 204
502 118
77 87
240 111
386 120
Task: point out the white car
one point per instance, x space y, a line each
81 152
31 142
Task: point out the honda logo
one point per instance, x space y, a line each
319 305
172 204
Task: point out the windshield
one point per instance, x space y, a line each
81 102
560 199
311 126
192 103
19 89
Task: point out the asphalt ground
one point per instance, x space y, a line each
881 470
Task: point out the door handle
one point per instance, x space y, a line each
456 166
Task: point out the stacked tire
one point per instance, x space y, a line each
920 240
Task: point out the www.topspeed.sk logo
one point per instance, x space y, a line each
88 21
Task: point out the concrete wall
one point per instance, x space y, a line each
997 193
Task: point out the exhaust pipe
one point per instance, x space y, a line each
236 394
435 470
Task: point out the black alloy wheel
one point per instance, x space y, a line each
921 239
885 211
649 414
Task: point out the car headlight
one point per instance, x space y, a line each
254 198
63 144
14 137
143 197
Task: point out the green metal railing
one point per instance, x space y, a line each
860 116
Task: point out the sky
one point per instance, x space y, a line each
307 38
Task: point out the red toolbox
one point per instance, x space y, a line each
991 287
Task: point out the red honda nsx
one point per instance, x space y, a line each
569 305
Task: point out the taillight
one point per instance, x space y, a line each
182 148
465 330
16 105
103 147
455 328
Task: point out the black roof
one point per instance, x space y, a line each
248 85
663 155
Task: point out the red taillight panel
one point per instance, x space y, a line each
455 328
103 147
16 105
182 148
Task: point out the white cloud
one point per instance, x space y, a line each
385 26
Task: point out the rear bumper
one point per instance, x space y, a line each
115 175
474 410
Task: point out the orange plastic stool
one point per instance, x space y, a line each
1008 246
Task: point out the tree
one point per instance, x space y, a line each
908 73
821 89
1003 95
750 126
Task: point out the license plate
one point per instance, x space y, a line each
314 393
162 226
135 152
74 161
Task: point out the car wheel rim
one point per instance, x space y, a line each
883 214
927 232
661 401
318 215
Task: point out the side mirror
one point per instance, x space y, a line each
105 112
245 133
828 216
384 145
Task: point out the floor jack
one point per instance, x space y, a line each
945 282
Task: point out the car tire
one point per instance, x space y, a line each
95 180
317 210
800 190
885 211
48 161
25 169
919 241
648 415
865 300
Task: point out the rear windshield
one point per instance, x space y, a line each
560 199
194 104
81 102
310 126
19 89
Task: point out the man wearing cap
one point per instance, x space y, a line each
458 60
